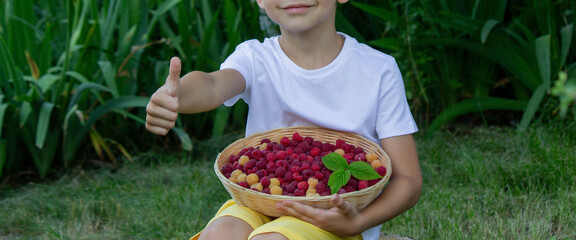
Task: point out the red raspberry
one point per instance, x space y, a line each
303 186
381 170
363 184
280 171
339 143
353 182
296 137
232 158
244 184
265 181
295 169
291 187
293 143
298 150
289 151
342 191
261 164
285 141
261 173
250 164
304 146
315 152
360 157
307 174
227 168
305 166
310 159
294 156
309 140
288 177
318 175
349 189
373 181
265 140
315 167
257 154
322 188
299 193
266 190
327 147
349 156
317 144
280 155
358 150
302 157
297 177
270 157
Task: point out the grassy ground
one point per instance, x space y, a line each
482 183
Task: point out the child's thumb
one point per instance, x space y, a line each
173 80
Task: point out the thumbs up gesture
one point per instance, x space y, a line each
162 110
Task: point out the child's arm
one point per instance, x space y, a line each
401 194
193 93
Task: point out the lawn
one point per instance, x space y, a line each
479 183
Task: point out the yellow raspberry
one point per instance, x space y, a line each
370 157
340 151
274 182
234 180
312 182
276 190
312 194
236 173
241 178
376 164
252 179
257 186
263 146
243 160
311 191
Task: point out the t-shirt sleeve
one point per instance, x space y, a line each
394 117
241 61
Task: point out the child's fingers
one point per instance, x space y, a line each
173 79
343 206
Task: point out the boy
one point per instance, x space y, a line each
308 75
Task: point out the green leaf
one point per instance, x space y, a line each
334 162
363 171
25 111
184 138
488 26
43 123
338 179
3 108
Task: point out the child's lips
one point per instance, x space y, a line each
296 9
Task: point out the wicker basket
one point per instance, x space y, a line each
264 203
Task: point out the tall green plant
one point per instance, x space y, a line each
67 65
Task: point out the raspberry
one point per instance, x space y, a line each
291 187
285 141
327 147
349 189
349 156
295 169
280 171
232 158
227 168
358 150
339 151
363 184
309 158
374 181
276 190
312 182
297 177
315 151
353 182
274 182
281 163
311 191
252 179
261 173
309 140
315 167
266 190
376 164
299 193
360 157
381 170
244 184
257 154
257 186
241 178
299 151
302 157
341 191
370 157
270 157
296 137
288 177
250 164
304 146
280 155
322 188
305 166
339 143
265 140
264 146
261 164
307 173
317 144
303 186
235 173
243 160
265 181
318 175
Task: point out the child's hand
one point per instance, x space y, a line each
162 110
343 219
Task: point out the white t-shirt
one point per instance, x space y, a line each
361 91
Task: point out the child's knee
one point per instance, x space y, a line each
269 236
226 228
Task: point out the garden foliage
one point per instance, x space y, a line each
75 76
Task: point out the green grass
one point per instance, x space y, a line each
480 183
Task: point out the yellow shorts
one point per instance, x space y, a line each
290 227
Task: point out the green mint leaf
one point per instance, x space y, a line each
363 171
338 179
334 161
